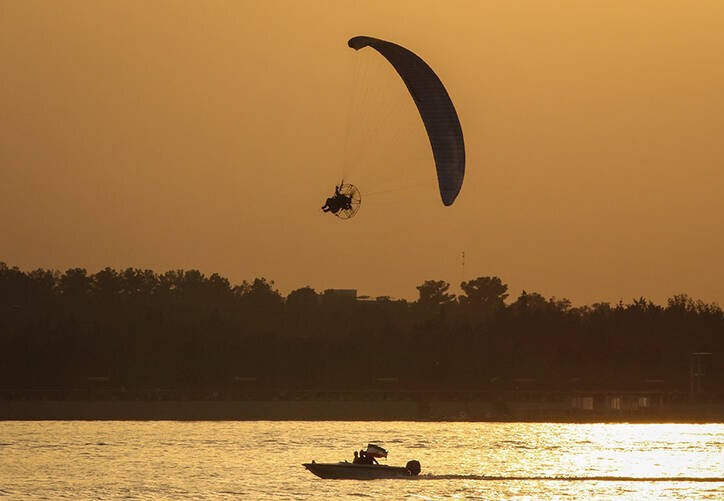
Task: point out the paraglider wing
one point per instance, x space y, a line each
436 109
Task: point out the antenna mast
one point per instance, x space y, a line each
462 266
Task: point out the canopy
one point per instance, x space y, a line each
436 109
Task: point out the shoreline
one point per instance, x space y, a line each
332 410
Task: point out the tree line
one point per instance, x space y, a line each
182 329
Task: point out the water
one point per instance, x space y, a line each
262 460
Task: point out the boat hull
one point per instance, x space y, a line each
345 470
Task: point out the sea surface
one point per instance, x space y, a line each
261 460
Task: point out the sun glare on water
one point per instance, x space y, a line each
639 450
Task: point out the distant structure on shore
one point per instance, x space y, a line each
341 293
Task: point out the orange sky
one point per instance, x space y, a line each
207 135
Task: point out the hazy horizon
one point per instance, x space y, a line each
207 136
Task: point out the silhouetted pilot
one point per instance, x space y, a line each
337 202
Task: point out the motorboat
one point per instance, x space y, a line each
346 470
364 466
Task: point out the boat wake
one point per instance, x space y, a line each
606 478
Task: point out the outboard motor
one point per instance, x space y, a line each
413 467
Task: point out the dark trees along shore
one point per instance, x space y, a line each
136 329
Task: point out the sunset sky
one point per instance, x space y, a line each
207 135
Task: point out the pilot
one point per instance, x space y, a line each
337 202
